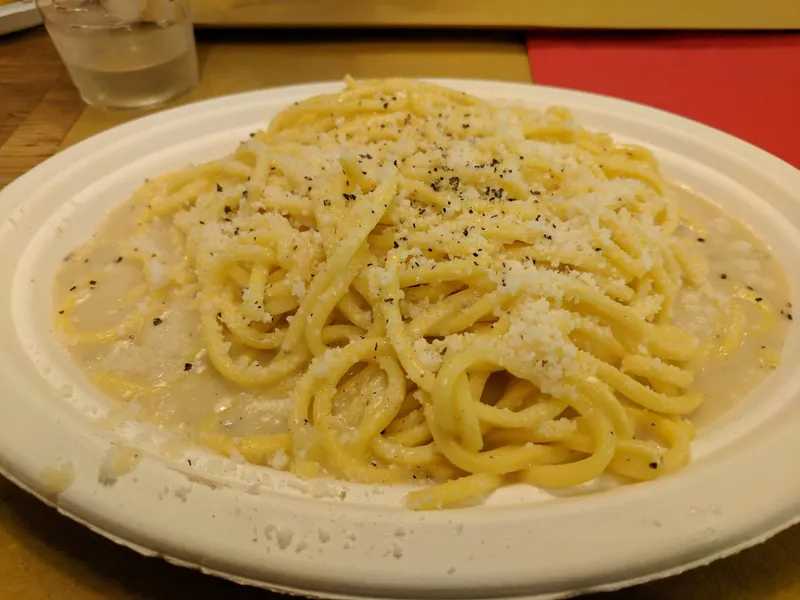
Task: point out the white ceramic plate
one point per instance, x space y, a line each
18 16
269 529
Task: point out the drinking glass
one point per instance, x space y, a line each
124 53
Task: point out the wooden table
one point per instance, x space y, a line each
508 14
46 556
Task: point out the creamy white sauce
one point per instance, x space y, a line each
738 259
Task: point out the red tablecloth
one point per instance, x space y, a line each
747 84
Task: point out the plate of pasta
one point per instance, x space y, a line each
396 338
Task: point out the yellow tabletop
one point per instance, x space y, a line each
46 556
512 14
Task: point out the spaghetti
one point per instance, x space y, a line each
444 288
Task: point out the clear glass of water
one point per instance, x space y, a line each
124 53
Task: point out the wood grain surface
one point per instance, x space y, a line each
38 103
44 555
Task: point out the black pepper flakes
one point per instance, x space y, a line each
187 366
723 276
653 465
759 299
228 210
157 321
701 240
73 288
219 188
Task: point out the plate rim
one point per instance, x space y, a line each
147 124
18 16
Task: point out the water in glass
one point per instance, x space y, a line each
124 53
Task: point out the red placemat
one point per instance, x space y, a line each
745 84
